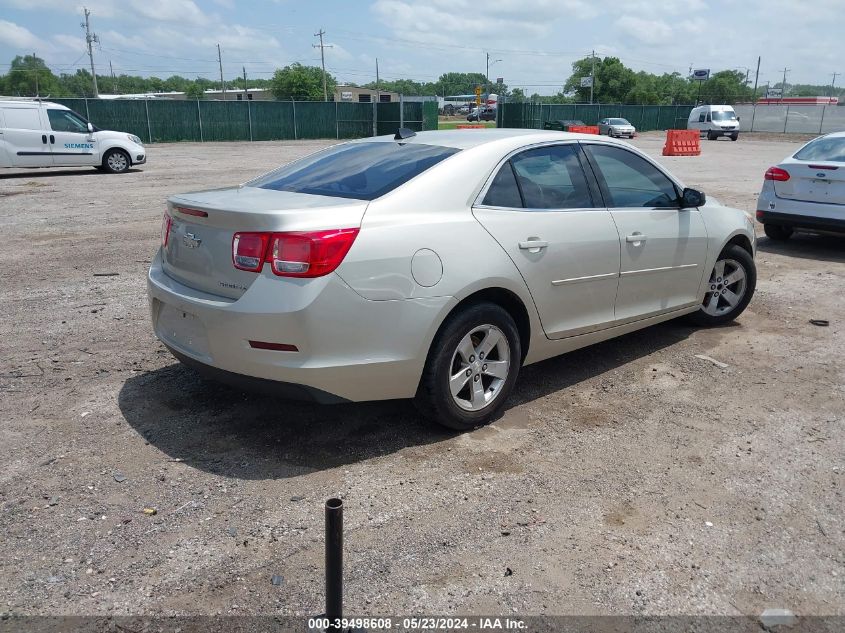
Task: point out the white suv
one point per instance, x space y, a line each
36 133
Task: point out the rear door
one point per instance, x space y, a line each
541 209
27 137
664 247
70 140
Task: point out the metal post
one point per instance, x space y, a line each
87 114
786 119
753 116
821 123
337 119
249 116
375 118
334 561
149 127
199 118
401 111
293 103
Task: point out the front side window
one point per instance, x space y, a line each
363 171
701 118
66 121
823 149
631 180
552 178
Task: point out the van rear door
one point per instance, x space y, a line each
27 136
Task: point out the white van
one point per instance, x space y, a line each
714 121
35 133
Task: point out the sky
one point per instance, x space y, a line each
532 43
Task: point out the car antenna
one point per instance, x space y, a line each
403 133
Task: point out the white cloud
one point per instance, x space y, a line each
18 37
176 11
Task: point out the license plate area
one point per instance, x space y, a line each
182 330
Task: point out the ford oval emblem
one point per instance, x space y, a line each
821 174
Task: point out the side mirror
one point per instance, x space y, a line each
90 128
737 118
692 198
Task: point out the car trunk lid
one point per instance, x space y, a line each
813 182
198 252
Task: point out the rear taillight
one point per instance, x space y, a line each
311 254
295 254
166 222
248 250
776 173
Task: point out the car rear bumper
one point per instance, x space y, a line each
347 347
798 221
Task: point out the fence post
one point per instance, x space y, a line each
821 123
753 116
249 115
786 119
199 118
87 114
293 103
401 111
336 120
375 118
149 127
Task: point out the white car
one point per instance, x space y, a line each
617 127
434 265
714 121
806 190
35 133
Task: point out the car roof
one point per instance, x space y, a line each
30 102
467 139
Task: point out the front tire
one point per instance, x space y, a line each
729 289
116 161
734 137
777 232
471 368
711 136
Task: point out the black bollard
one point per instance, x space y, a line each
334 562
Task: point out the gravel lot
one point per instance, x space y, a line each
627 478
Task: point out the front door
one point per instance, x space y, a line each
27 137
540 209
664 247
70 140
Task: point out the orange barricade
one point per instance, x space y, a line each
583 129
682 143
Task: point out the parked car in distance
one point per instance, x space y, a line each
35 133
563 125
488 113
806 190
714 121
434 265
617 127
464 109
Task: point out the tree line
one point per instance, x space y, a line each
613 83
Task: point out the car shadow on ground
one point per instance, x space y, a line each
247 436
830 248
49 172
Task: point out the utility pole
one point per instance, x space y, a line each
378 92
756 78
783 84
113 81
246 92
322 48
89 39
833 81
222 83
593 76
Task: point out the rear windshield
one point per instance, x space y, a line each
824 149
363 171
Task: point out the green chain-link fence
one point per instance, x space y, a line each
163 121
644 118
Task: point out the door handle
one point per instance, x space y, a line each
636 237
44 139
52 139
533 245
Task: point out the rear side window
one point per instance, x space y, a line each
821 149
22 118
552 178
362 171
631 180
503 191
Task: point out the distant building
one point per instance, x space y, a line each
356 94
252 94
798 101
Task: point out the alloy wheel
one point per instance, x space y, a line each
117 161
480 367
726 288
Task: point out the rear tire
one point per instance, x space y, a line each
730 288
777 232
471 368
116 161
